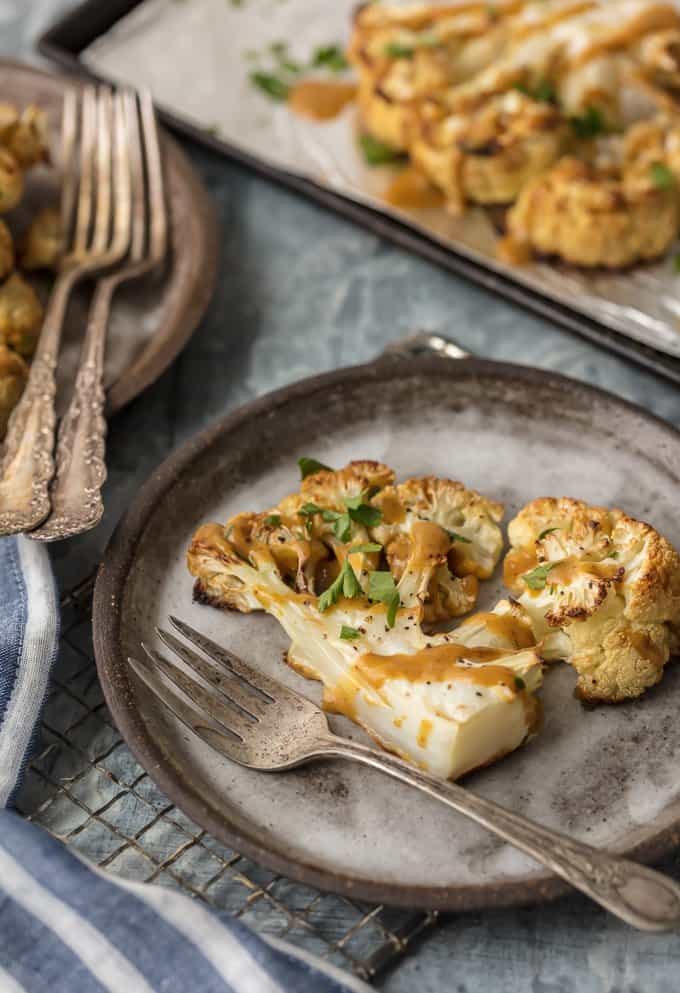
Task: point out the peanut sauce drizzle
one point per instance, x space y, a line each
410 188
440 664
320 99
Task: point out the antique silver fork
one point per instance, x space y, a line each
95 213
75 492
261 724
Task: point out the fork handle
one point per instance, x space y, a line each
28 465
640 896
75 493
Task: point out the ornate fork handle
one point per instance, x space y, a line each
28 465
638 895
81 450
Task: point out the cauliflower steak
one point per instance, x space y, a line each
352 566
600 589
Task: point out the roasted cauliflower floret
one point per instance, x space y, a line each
601 590
13 376
26 136
42 242
6 250
449 701
21 315
488 156
11 181
596 216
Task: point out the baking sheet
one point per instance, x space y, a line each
196 57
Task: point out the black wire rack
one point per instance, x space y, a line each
86 788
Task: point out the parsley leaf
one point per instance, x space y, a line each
349 634
309 466
342 529
544 533
376 153
330 57
537 578
588 124
345 584
543 92
454 536
366 549
397 50
361 511
661 176
382 588
273 519
272 85
309 509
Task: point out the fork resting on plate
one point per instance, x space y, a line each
262 724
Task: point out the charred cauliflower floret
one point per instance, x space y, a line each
6 250
11 181
21 315
439 539
601 590
594 215
26 136
13 376
451 702
488 156
42 242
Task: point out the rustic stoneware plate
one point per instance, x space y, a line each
151 318
608 776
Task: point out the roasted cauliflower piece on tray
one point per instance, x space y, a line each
21 315
352 566
596 215
488 155
601 590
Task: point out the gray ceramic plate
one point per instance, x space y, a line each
151 319
608 776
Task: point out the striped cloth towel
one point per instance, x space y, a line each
67 927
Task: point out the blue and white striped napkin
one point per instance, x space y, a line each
67 927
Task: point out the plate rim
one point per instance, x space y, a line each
114 671
181 322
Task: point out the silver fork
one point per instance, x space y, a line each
75 493
96 235
261 724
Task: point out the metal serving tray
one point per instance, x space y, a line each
544 292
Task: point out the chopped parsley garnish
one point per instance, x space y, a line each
361 511
273 86
309 466
543 92
661 176
538 577
397 50
454 536
341 522
349 634
346 584
382 589
519 683
544 533
330 57
366 549
588 124
613 555
273 520
376 153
